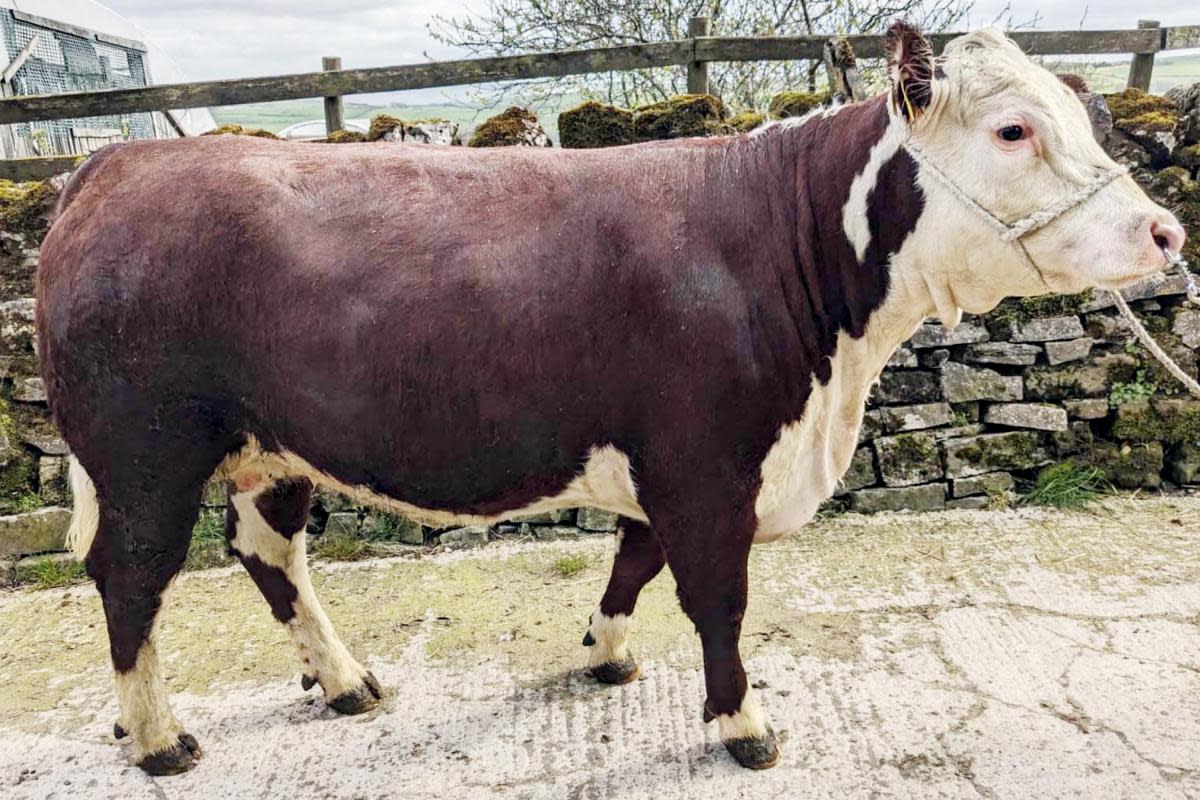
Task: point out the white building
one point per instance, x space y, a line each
55 46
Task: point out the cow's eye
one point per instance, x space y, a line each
1012 133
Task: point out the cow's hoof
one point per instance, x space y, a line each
617 672
755 753
173 760
119 732
360 700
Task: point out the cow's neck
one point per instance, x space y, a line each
854 294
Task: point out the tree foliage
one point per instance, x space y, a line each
510 27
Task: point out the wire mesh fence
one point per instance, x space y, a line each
71 61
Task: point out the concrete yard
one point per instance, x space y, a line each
1028 654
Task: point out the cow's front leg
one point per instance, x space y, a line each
639 558
265 525
708 552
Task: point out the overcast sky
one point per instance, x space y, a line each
245 38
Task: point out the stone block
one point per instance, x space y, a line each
557 517
396 527
897 419
470 536
1088 408
908 386
903 358
1068 350
930 335
861 472
1009 353
1091 378
1186 325
1046 329
29 390
968 503
975 455
35 532
554 532
908 459
928 497
1027 415
933 359
596 520
963 384
1183 463
988 483
1130 466
46 444
53 485
342 523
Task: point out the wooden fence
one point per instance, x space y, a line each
695 53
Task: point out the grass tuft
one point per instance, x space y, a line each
570 566
340 548
51 572
1067 485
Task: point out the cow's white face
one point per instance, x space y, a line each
1017 140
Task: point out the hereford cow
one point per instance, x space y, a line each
680 332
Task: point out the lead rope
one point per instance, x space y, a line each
1144 336
1014 232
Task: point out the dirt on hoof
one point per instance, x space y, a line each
617 672
175 760
755 753
359 701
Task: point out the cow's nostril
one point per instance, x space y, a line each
1168 235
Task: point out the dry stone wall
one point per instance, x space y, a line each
959 419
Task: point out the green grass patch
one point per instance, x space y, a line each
340 548
570 566
1067 485
50 572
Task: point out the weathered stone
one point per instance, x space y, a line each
1068 350
988 483
1021 355
1166 285
897 419
470 536
963 384
514 127
554 532
968 503
908 459
29 390
1160 419
1046 329
342 523
993 452
1089 408
596 520
958 431
1099 115
933 359
1077 438
331 501
1186 326
903 358
46 444
53 486
545 518
1027 415
36 532
378 524
1091 378
930 335
909 386
861 473
929 497
17 324
432 132
1132 466
1183 463
1108 327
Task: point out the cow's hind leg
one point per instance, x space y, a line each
639 558
139 546
265 529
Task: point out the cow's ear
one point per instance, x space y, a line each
910 65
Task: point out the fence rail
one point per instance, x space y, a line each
695 53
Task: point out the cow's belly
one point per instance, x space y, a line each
605 482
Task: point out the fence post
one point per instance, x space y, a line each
1143 63
697 71
333 105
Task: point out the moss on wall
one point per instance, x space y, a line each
1015 310
1134 109
239 130
593 124
382 125
746 121
795 104
515 126
679 117
346 137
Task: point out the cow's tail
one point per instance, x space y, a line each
86 517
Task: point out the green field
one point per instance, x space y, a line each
1169 71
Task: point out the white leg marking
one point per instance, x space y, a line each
608 634
325 657
86 516
145 713
749 722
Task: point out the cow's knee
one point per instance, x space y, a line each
265 527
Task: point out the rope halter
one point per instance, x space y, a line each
1014 232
